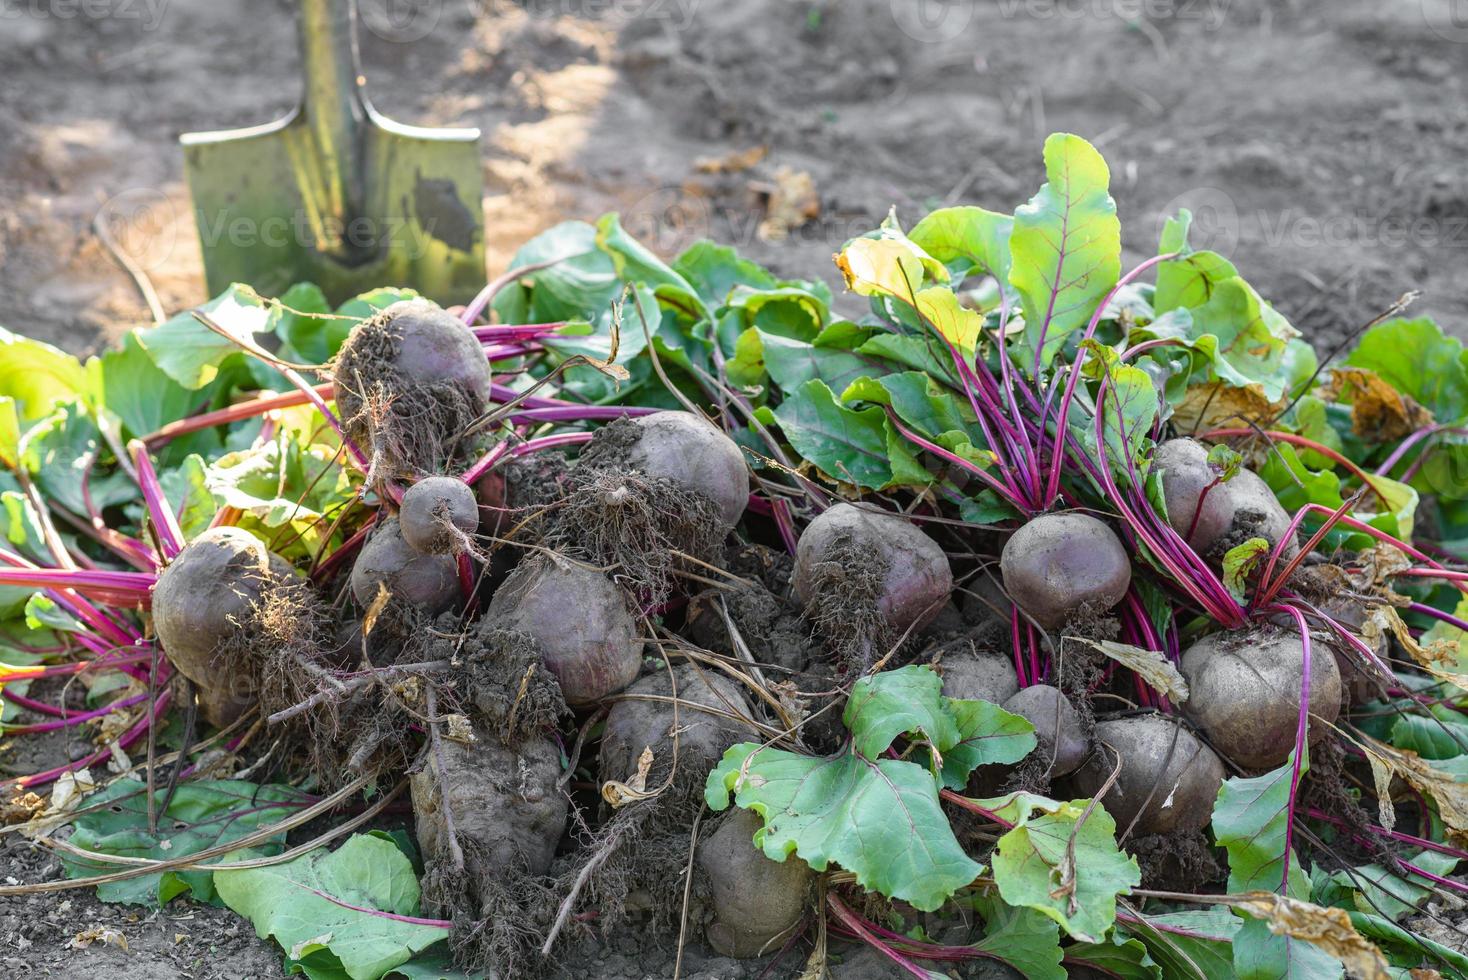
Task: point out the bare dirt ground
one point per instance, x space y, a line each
1321 144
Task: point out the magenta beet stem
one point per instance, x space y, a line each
170 536
504 333
67 720
124 741
116 588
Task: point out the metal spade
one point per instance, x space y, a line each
336 193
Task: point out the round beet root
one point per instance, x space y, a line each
1061 565
579 621
1257 513
1169 780
755 901
430 582
205 599
634 725
1245 692
507 810
974 676
688 450
1200 518
407 382
432 509
915 580
1058 732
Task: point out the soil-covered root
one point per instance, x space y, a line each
408 381
506 684
974 675
641 527
578 619
1060 566
1245 692
773 630
1176 862
518 497
682 448
1169 779
214 609
685 735
488 820
866 577
1060 737
753 902
1213 514
427 582
438 515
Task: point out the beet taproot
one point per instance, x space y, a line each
1213 514
754 902
1060 740
437 515
428 582
1169 779
689 450
1061 567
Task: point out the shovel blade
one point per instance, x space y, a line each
266 215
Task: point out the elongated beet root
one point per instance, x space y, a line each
435 508
978 677
1061 566
1060 739
755 902
579 621
911 578
706 700
506 808
407 382
688 450
1169 779
430 582
205 600
1210 513
1245 692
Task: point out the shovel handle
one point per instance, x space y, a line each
334 107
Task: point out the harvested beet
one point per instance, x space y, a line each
976 676
1061 741
703 735
688 450
205 603
579 621
1211 514
1245 692
438 514
754 902
1063 567
427 582
852 562
1169 779
505 806
408 381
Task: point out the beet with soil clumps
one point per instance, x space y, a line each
867 576
408 381
438 514
691 452
1061 742
976 676
207 605
1211 514
754 902
1060 568
578 620
1169 779
1245 692
427 582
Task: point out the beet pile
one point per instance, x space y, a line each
1038 595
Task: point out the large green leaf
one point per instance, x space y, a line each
1250 820
1066 245
579 284
1244 337
1407 948
1377 890
189 352
1261 955
713 270
356 902
967 234
1417 359
201 815
129 385
285 491
907 701
831 358
987 735
305 321
1197 938
1190 279
880 819
66 448
1026 940
1121 956
1053 863
849 445
37 377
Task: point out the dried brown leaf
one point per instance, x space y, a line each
1450 795
1327 928
1379 413
732 162
791 201
1217 405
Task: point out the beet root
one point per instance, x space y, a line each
755 902
206 602
1213 515
1060 739
975 676
1245 693
408 380
578 619
1169 779
704 729
1060 567
428 582
865 574
686 449
438 514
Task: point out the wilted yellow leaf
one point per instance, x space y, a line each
887 267
1329 929
955 323
1379 413
1450 795
1215 405
1151 665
